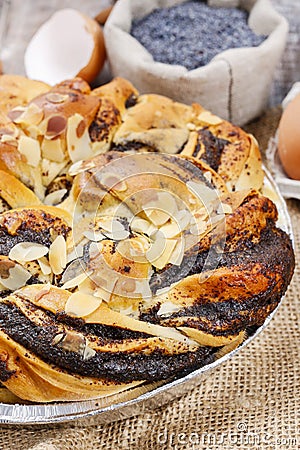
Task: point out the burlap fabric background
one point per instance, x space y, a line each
252 401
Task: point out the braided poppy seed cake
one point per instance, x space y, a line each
135 245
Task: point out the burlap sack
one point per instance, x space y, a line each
235 84
288 71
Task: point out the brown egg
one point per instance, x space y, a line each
289 139
69 44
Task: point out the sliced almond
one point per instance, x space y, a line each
152 230
77 281
117 235
88 353
170 230
191 126
56 126
33 131
58 255
8 139
140 225
27 251
143 288
55 197
156 216
207 176
139 245
167 309
104 280
76 168
92 235
224 208
30 148
183 218
167 202
217 218
128 286
113 229
57 338
157 247
78 147
112 180
55 97
102 294
18 277
178 253
41 128
163 291
50 170
111 225
9 129
208 118
44 265
16 112
80 166
204 193
164 259
160 253
54 150
82 305
134 249
161 209
31 115
73 342
198 228
75 268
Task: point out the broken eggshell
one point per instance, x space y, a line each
69 44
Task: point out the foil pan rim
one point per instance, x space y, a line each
56 413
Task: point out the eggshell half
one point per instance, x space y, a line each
289 139
69 44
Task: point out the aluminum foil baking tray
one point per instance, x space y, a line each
138 400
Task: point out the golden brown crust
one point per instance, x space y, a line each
45 384
75 84
74 102
15 193
150 264
114 98
156 122
15 163
232 152
16 90
119 91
